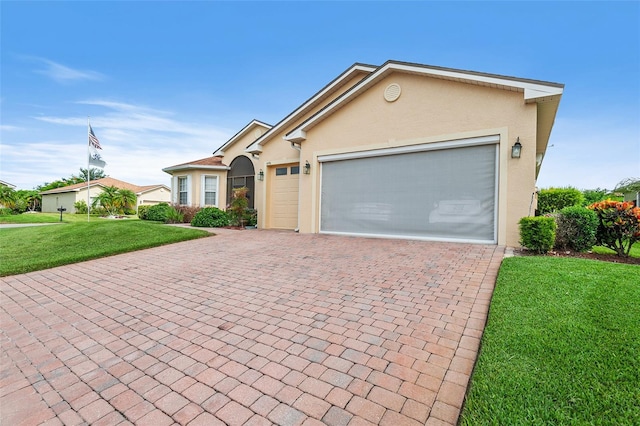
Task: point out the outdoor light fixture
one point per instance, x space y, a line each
516 148
261 175
307 168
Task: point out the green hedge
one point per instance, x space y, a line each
555 199
210 217
142 211
538 233
576 228
158 213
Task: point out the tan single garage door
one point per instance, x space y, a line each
283 196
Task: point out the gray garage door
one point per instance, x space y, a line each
447 193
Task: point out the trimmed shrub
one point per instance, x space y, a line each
210 217
158 213
174 216
576 228
538 233
81 207
6 211
251 217
142 212
188 212
555 199
618 225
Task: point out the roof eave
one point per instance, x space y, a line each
533 90
240 134
194 166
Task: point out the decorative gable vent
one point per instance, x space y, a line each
392 92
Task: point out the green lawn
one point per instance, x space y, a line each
561 347
634 252
41 247
44 218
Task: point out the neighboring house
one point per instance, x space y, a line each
632 196
7 184
67 196
399 150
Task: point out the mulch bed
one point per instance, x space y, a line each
587 255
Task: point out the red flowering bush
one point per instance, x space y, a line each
619 225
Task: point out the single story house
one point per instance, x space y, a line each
400 150
67 196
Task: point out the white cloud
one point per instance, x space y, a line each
9 128
137 141
64 74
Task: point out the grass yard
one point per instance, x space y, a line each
562 346
40 247
634 252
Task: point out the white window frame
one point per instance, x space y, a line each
176 187
203 191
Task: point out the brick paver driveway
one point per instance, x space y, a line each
247 328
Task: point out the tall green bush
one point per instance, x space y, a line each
158 213
239 206
142 211
552 200
174 215
210 217
576 228
538 233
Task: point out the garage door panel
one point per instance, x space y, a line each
283 204
443 194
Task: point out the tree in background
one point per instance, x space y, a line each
29 200
125 201
594 195
94 174
115 201
7 197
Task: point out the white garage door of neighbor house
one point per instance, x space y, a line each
448 193
283 199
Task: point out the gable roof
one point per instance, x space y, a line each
326 91
533 90
105 182
7 184
246 129
209 163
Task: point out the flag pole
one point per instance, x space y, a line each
88 172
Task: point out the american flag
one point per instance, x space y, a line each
93 140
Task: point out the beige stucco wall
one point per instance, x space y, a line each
428 110
51 202
156 196
276 151
196 185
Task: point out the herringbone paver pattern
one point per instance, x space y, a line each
248 328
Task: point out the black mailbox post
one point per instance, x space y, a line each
61 209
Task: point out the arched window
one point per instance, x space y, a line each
241 174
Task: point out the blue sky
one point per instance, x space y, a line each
169 82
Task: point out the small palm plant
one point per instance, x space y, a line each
115 200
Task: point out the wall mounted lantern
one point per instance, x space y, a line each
261 175
307 168
516 149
